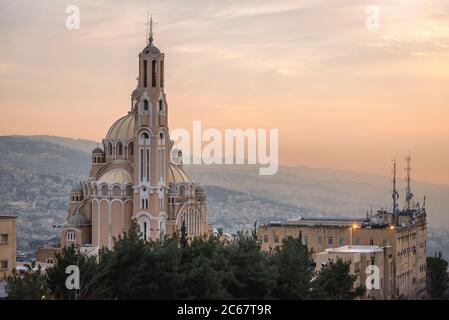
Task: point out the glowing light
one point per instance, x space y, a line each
391 227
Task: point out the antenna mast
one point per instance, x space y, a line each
395 194
408 190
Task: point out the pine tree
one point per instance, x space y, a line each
438 277
294 267
334 282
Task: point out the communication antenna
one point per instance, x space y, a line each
395 194
408 190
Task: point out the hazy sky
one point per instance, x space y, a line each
341 95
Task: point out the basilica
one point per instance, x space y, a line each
137 174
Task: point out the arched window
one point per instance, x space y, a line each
148 164
145 105
153 73
129 191
50 261
145 77
110 149
104 191
117 191
162 73
161 107
131 149
162 227
144 225
95 190
120 149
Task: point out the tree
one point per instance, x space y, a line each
183 239
294 268
27 285
90 275
334 282
253 274
438 277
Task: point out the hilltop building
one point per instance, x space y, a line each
135 174
404 230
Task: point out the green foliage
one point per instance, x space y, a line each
334 282
27 285
295 268
438 277
183 268
253 274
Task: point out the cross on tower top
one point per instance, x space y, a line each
149 26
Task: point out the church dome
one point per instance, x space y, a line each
76 188
77 220
116 176
122 129
97 150
176 174
151 48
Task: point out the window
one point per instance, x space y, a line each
50 261
131 149
276 239
305 240
148 164
4 264
145 105
71 236
330 241
117 191
162 73
357 241
120 149
144 203
153 73
265 238
371 241
385 242
145 78
4 238
342 241
320 240
110 149
104 191
161 107
162 228
129 191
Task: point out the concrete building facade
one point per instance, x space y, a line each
8 244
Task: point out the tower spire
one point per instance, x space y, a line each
149 27
150 35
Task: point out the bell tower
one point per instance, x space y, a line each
152 141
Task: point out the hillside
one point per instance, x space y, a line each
36 176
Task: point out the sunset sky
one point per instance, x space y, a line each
341 95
